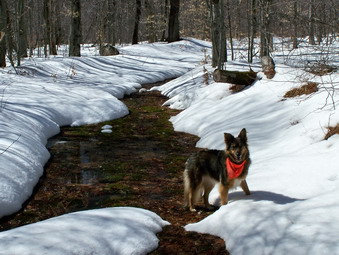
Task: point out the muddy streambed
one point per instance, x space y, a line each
133 161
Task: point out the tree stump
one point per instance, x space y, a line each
268 66
234 77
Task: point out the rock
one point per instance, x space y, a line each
108 50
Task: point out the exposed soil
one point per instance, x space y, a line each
139 164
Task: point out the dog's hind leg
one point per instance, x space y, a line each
191 193
208 185
244 187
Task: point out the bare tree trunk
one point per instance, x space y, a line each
111 22
8 36
52 30
230 30
150 22
173 23
75 34
321 23
22 31
311 22
3 31
163 37
135 39
295 24
218 33
252 30
265 35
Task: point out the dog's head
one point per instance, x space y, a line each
236 147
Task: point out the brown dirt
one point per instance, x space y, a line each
139 164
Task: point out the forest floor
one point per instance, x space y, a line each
139 164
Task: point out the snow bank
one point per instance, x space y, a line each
294 175
119 230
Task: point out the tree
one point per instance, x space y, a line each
22 31
50 38
311 22
7 43
295 24
3 30
265 34
135 39
75 31
252 29
218 33
173 22
111 8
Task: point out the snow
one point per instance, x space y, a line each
119 230
294 176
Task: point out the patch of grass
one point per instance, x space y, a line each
83 131
306 89
112 178
152 109
332 131
115 167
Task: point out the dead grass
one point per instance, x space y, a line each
332 131
306 89
321 69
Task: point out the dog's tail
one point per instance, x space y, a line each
186 189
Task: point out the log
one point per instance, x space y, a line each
234 77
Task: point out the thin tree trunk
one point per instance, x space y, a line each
9 41
252 29
218 34
52 29
265 35
163 37
135 39
3 31
111 22
295 25
173 23
22 32
75 34
311 22
230 30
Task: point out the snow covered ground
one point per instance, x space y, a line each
119 230
294 177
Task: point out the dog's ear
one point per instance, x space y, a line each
228 138
243 135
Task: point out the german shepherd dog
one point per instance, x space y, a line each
227 167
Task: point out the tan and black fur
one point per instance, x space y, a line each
206 168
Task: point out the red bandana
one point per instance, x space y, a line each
233 169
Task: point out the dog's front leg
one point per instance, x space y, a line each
223 190
244 187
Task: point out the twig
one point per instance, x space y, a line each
10 145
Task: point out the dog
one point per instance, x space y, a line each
227 167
